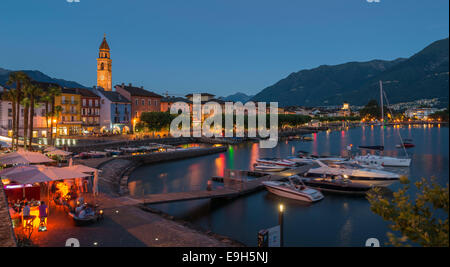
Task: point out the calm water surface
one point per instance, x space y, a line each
335 221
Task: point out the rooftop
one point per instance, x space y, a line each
115 97
175 99
104 45
138 91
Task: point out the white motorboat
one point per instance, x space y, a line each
377 160
275 161
129 149
113 151
294 191
353 172
268 168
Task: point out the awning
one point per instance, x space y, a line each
81 168
39 173
23 157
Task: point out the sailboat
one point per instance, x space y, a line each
383 160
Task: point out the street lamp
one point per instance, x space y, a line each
280 222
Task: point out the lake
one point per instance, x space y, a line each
337 220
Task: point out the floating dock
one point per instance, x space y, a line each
232 188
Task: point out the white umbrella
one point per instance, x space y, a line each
81 168
23 157
4 144
39 173
59 152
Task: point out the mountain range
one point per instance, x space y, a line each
423 75
237 97
39 77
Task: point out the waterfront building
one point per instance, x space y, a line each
69 119
141 100
90 111
345 110
419 113
115 112
104 73
40 123
205 97
168 102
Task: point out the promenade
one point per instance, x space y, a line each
126 222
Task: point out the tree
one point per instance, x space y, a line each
26 113
423 220
20 79
53 91
440 115
34 93
11 96
371 110
156 121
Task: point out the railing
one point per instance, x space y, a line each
70 112
67 102
91 123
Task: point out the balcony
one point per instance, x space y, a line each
91 123
74 112
67 102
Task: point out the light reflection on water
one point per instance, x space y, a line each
335 221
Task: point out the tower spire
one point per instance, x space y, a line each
104 66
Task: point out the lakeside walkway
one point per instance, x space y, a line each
126 222
229 191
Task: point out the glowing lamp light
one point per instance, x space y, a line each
281 207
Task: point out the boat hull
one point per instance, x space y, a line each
290 194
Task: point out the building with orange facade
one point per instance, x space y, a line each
141 100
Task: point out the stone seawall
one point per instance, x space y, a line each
143 142
115 171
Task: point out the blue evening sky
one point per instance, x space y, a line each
216 46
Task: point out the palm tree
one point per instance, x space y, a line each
47 99
20 79
26 112
35 93
11 96
53 92
56 113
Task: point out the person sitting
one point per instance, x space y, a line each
26 210
82 214
79 209
89 211
42 210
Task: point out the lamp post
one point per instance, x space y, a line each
280 222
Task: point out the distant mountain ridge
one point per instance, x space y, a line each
39 77
423 75
237 97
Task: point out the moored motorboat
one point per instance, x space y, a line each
338 185
268 168
385 161
114 152
292 190
275 161
406 144
354 172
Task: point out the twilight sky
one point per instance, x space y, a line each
216 46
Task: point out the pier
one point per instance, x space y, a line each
232 188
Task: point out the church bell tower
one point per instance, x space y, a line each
104 66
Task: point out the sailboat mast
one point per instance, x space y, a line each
381 102
382 113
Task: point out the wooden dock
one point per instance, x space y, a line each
229 191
